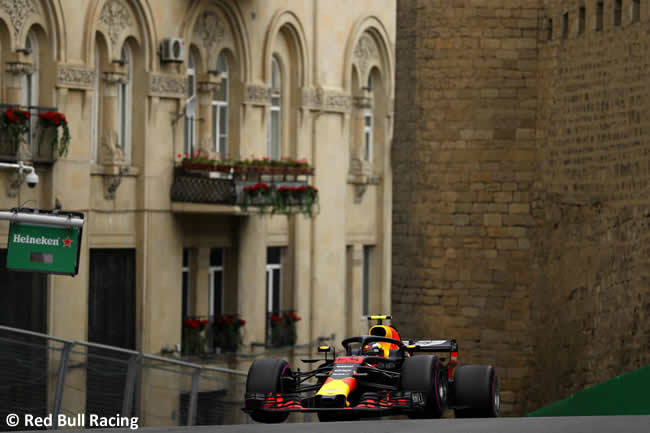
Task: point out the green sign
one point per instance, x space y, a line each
36 248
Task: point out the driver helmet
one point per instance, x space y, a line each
373 348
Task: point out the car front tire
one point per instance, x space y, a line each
477 392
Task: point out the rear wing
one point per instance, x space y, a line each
432 346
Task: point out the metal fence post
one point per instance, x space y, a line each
60 382
194 396
129 388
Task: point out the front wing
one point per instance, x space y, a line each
383 403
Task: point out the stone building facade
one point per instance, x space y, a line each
323 69
521 175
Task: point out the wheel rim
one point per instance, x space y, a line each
496 399
442 391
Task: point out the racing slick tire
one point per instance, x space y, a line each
266 376
477 392
424 374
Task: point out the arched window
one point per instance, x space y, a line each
220 108
190 115
30 84
94 120
275 123
367 126
124 104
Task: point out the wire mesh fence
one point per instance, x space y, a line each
80 384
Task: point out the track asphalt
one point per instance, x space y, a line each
594 424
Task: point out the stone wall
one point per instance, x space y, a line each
591 303
465 160
521 189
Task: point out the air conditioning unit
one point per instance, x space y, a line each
172 50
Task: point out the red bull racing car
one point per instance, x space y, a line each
378 375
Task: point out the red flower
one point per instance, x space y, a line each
204 322
242 322
179 156
228 320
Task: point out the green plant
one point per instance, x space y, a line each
194 338
227 332
53 119
283 328
15 125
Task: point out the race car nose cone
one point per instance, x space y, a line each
332 401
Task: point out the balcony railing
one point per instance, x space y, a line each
207 335
38 139
258 187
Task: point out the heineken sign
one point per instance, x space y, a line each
38 247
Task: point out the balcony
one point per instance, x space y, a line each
240 189
28 139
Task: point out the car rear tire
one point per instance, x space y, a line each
477 392
425 374
269 376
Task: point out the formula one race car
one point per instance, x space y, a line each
379 375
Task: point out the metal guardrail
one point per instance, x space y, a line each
42 374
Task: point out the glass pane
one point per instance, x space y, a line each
269 293
275 101
216 257
275 135
186 257
215 125
218 293
123 109
365 292
223 144
221 94
223 120
186 292
368 120
367 145
273 255
276 291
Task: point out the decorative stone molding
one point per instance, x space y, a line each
256 94
212 32
16 71
360 176
111 184
366 54
114 77
172 86
115 18
75 77
313 98
338 102
326 100
111 152
19 11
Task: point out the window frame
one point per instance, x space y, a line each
366 280
220 107
94 111
125 104
275 148
190 133
216 271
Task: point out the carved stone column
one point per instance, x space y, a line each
207 85
362 104
111 152
360 169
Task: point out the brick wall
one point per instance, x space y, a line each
521 189
465 161
591 305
